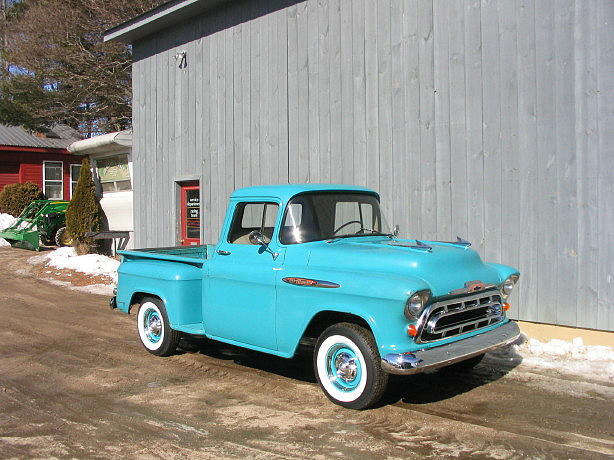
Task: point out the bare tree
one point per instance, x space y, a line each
59 68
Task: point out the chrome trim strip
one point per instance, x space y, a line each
444 355
431 329
419 246
424 316
308 282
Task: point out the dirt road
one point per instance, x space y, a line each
75 382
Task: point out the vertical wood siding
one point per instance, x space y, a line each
492 120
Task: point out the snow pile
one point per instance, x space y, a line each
6 220
91 264
573 357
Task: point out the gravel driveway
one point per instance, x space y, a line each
75 382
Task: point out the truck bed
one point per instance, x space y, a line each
194 255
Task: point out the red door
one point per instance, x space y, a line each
190 214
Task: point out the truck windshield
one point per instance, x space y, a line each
326 215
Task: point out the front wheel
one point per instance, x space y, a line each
347 366
154 328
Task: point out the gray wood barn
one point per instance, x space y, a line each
492 120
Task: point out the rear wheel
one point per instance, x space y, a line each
154 328
347 366
63 238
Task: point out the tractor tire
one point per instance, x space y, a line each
63 238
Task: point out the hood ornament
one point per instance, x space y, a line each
472 287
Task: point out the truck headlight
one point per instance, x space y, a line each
507 286
415 304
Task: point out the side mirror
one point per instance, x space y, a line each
255 237
395 230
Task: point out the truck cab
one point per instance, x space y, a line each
319 265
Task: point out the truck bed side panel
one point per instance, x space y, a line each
178 285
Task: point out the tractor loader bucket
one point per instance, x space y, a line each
23 238
40 219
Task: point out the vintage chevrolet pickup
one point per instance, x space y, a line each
316 264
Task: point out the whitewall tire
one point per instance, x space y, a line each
347 366
154 329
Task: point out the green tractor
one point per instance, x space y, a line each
42 221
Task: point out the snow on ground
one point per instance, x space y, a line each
6 220
573 357
91 264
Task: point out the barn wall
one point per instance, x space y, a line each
489 119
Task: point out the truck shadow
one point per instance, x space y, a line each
298 368
444 384
415 389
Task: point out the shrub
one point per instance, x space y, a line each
83 213
15 197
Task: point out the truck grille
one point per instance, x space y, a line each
452 317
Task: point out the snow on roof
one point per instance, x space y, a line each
110 142
58 137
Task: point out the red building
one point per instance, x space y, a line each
40 158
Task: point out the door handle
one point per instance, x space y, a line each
223 253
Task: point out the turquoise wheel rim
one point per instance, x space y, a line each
343 367
152 325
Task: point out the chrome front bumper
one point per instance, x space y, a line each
444 355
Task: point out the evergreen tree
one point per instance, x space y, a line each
83 213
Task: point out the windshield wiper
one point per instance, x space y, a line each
354 235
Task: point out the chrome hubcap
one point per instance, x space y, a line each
154 327
346 367
343 367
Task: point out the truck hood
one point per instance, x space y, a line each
446 267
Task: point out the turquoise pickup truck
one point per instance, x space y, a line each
316 265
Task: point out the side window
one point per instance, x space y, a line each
353 216
347 217
368 219
252 216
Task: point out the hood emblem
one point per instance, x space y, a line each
475 286
472 287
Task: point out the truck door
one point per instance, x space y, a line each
241 296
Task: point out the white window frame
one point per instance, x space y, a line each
71 181
61 180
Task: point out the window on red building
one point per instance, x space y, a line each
52 180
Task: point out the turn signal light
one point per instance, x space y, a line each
506 306
412 331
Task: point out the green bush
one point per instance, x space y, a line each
15 197
83 213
